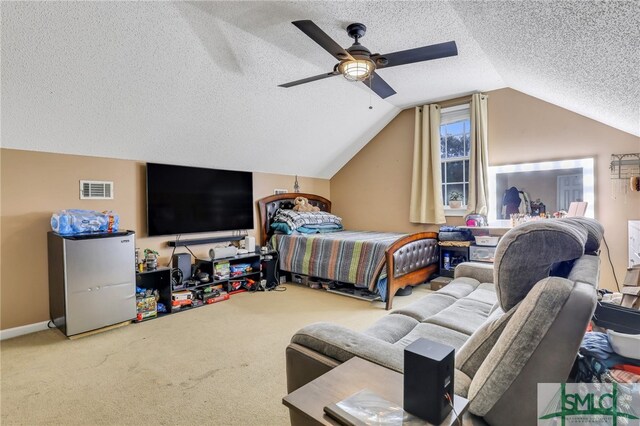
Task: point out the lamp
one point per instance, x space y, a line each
356 69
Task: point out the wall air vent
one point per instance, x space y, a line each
96 190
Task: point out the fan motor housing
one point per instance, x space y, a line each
356 30
359 50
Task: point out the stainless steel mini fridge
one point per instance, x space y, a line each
91 280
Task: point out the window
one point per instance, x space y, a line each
455 128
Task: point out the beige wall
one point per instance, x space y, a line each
34 184
372 190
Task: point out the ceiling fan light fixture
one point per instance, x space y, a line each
357 63
357 69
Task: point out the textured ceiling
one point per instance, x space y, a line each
581 55
196 83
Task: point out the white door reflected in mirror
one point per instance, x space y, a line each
569 190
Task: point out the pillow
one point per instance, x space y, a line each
319 229
281 228
297 219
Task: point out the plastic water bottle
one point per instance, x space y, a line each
447 261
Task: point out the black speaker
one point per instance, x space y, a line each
182 261
268 267
428 376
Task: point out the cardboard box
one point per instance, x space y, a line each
632 279
631 297
146 307
438 283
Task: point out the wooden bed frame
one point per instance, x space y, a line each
399 274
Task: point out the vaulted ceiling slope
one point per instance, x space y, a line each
196 83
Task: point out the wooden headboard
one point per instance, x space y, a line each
268 207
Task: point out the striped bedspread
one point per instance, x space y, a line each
345 256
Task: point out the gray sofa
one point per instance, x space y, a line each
513 324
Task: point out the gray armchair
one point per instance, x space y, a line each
534 336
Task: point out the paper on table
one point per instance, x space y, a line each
368 408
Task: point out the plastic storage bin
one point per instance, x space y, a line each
486 240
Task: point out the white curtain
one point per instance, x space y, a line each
426 183
479 157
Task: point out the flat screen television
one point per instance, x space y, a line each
183 200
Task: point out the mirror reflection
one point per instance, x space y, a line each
540 188
535 193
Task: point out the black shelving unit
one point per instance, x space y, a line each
209 266
457 255
157 279
160 278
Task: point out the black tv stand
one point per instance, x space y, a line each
183 243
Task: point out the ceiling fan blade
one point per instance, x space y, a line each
379 86
320 37
419 54
309 79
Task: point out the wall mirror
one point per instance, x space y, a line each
544 187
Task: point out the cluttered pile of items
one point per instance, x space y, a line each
147 304
610 350
236 274
609 357
461 244
452 236
197 297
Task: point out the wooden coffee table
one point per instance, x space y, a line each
306 404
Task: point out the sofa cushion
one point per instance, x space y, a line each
391 328
426 306
484 295
483 272
472 354
487 286
436 333
461 383
464 316
342 344
526 253
460 287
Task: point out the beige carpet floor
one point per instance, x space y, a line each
221 364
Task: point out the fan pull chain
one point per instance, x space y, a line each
370 78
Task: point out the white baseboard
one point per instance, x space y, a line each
22 330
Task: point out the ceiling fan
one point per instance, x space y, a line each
358 64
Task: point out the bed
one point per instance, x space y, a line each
380 261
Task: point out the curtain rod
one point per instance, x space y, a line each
455 101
